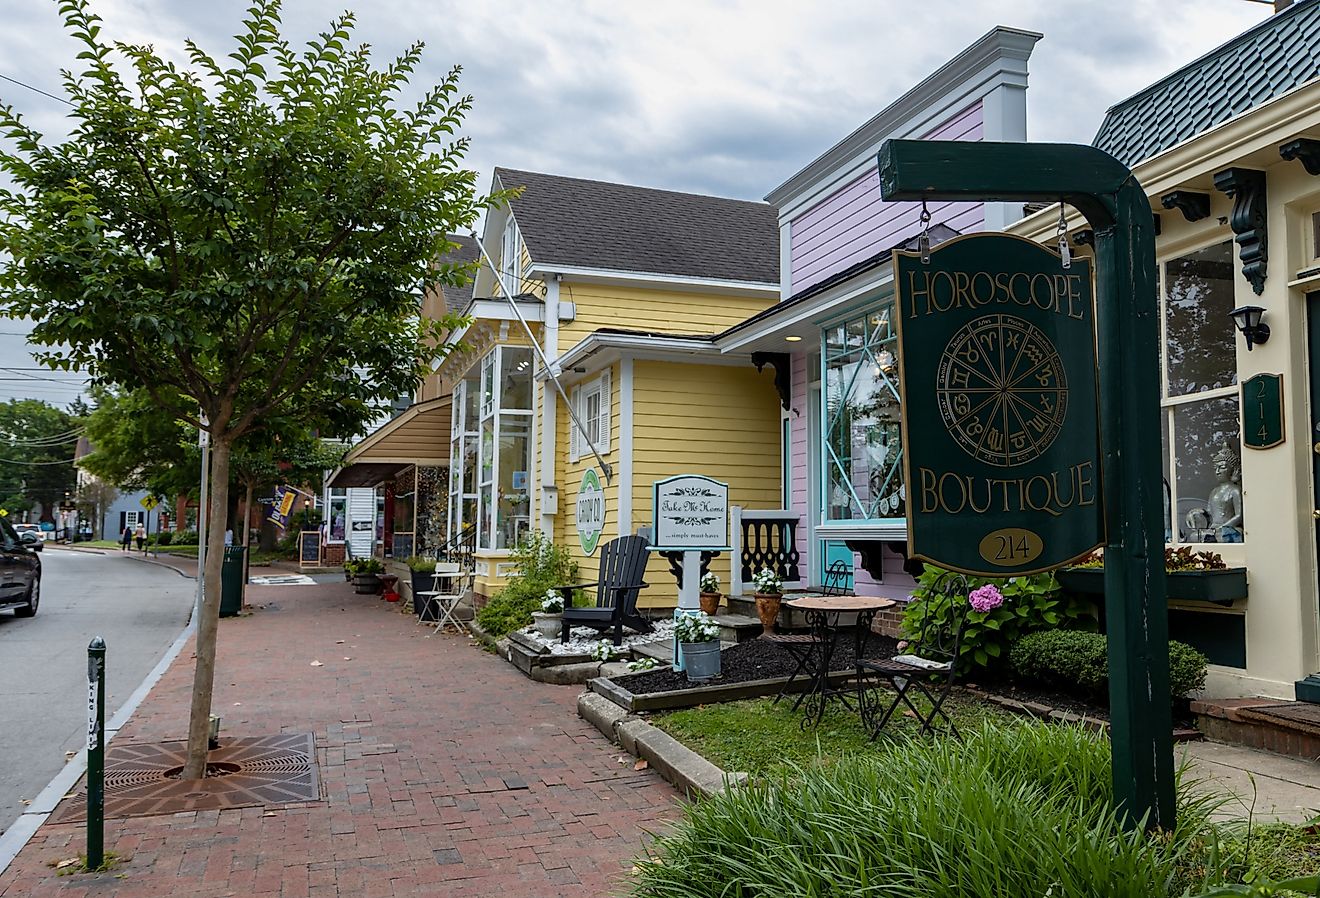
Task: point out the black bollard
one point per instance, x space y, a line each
95 753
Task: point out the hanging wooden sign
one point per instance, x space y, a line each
1000 418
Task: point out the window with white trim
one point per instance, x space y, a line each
1199 401
510 257
591 403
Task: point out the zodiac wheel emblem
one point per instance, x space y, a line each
1001 390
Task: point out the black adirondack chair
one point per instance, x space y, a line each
622 567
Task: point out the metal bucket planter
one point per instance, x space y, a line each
701 660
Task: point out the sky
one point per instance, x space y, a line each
727 98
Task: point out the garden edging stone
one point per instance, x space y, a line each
680 765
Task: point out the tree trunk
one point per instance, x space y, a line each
208 623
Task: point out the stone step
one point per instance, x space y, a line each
1284 727
737 627
663 649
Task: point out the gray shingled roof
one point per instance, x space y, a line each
1279 54
457 298
592 224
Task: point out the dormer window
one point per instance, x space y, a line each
510 258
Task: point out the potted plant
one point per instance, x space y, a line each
710 592
699 642
769 593
350 568
422 575
548 620
366 576
1190 576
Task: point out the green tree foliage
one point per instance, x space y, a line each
36 455
245 237
138 444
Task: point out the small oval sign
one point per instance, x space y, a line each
1011 547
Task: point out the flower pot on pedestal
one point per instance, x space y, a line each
767 609
710 602
547 624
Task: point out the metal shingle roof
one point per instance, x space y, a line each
1279 54
595 224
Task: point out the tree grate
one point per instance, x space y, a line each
266 770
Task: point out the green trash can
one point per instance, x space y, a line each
231 580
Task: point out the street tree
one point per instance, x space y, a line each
287 454
36 455
137 443
244 236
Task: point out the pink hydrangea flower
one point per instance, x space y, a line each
986 598
902 644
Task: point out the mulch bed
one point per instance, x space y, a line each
754 660
760 660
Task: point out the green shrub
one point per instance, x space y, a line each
1022 809
185 538
1033 602
164 538
541 566
1071 659
420 565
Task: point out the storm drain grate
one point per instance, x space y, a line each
259 770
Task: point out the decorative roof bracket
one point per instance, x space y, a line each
1304 150
782 363
1247 187
1084 237
1193 205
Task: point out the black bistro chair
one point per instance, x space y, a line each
622 567
804 648
928 666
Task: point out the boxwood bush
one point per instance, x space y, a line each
1072 660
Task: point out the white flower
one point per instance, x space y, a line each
767 581
553 603
696 628
710 582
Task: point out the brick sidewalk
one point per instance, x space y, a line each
444 771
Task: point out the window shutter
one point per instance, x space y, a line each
605 401
574 434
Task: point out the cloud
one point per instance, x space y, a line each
728 97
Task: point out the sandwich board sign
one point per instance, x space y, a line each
998 375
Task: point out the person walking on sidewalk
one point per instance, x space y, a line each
126 538
141 535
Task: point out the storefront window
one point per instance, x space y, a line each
338 515
863 450
491 449
1203 497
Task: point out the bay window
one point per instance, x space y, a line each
490 450
863 451
1199 427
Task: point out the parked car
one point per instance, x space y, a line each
20 571
34 529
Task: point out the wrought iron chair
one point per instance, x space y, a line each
447 601
804 648
929 666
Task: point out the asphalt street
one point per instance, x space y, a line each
138 608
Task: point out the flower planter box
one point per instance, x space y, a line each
1221 587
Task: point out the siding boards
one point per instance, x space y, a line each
715 420
666 312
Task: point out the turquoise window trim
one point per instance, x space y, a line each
826 454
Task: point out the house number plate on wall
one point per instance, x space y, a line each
1000 420
1262 411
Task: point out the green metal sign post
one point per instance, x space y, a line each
95 753
1127 318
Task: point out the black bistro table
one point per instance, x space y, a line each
822 614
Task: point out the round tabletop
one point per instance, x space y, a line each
840 603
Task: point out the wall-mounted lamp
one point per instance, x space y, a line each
1247 320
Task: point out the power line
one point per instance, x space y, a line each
35 464
35 89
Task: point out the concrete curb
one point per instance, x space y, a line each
61 548
163 564
13 840
688 771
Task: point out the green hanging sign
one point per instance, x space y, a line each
997 359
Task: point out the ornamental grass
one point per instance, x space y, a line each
1014 810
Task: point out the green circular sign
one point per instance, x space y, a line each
590 511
